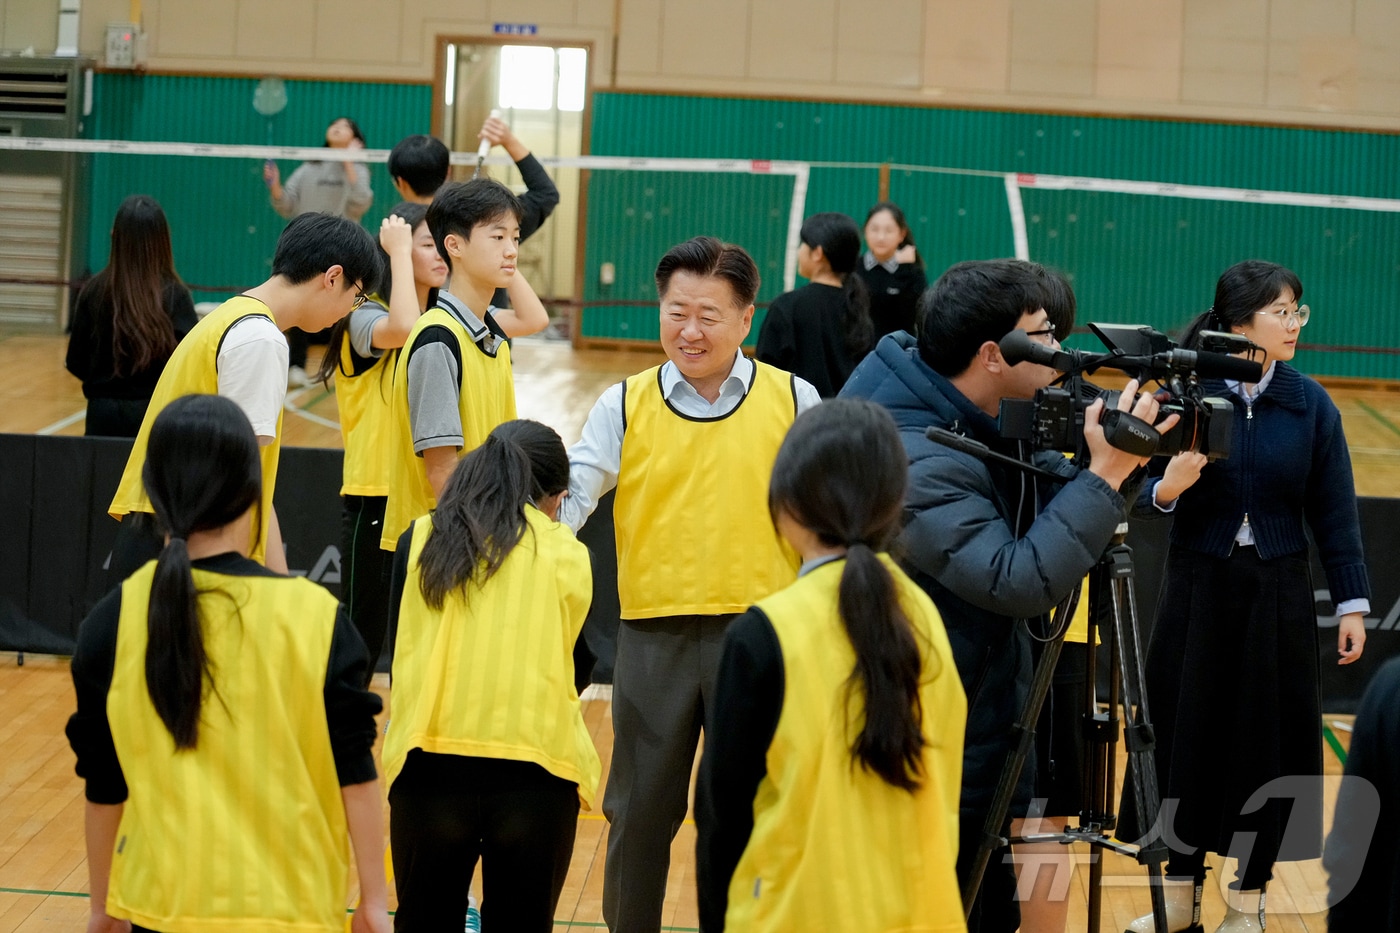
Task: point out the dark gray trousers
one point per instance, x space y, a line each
664 677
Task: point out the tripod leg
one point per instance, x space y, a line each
1128 672
1024 730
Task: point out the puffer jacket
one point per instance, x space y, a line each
961 545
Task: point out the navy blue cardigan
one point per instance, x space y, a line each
1288 462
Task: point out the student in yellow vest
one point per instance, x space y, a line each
828 791
452 381
488 755
222 727
321 271
360 356
688 445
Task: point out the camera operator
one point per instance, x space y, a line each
991 545
1234 649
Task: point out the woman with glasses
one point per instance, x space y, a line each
1234 649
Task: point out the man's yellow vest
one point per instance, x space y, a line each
491 674
193 370
693 532
247 830
485 398
835 847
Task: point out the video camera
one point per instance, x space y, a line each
1054 418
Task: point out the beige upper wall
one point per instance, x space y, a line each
1323 62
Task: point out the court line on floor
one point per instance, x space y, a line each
62 423
1386 422
310 416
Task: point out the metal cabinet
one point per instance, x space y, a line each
43 195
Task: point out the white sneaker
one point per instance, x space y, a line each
297 378
1244 912
1183 897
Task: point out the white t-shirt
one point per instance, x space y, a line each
253 372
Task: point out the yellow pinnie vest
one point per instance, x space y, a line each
491 675
193 370
693 532
834 847
485 398
247 830
364 399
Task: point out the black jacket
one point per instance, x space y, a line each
1362 856
962 544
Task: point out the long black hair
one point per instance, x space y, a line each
839 240
139 271
841 473
1242 289
413 214
202 472
481 516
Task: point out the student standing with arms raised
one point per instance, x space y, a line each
360 355
689 446
452 380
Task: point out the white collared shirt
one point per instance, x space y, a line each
596 459
889 265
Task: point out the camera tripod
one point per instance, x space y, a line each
1113 575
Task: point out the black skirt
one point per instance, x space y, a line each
1234 696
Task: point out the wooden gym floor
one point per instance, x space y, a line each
43 872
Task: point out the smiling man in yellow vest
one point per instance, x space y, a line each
321 271
689 446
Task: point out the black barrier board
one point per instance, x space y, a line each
54 493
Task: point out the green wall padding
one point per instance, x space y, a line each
223 227
1132 259
1145 260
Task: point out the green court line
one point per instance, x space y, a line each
1334 744
325 394
45 893
557 923
1385 422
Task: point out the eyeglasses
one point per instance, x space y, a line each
1047 332
1285 316
359 300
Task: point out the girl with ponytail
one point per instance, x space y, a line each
822 330
198 684
834 740
489 757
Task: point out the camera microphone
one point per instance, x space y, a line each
1210 365
1018 347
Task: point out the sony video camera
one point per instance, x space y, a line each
1054 418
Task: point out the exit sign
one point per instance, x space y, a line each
516 29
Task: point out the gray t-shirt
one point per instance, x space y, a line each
434 376
361 329
323 187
